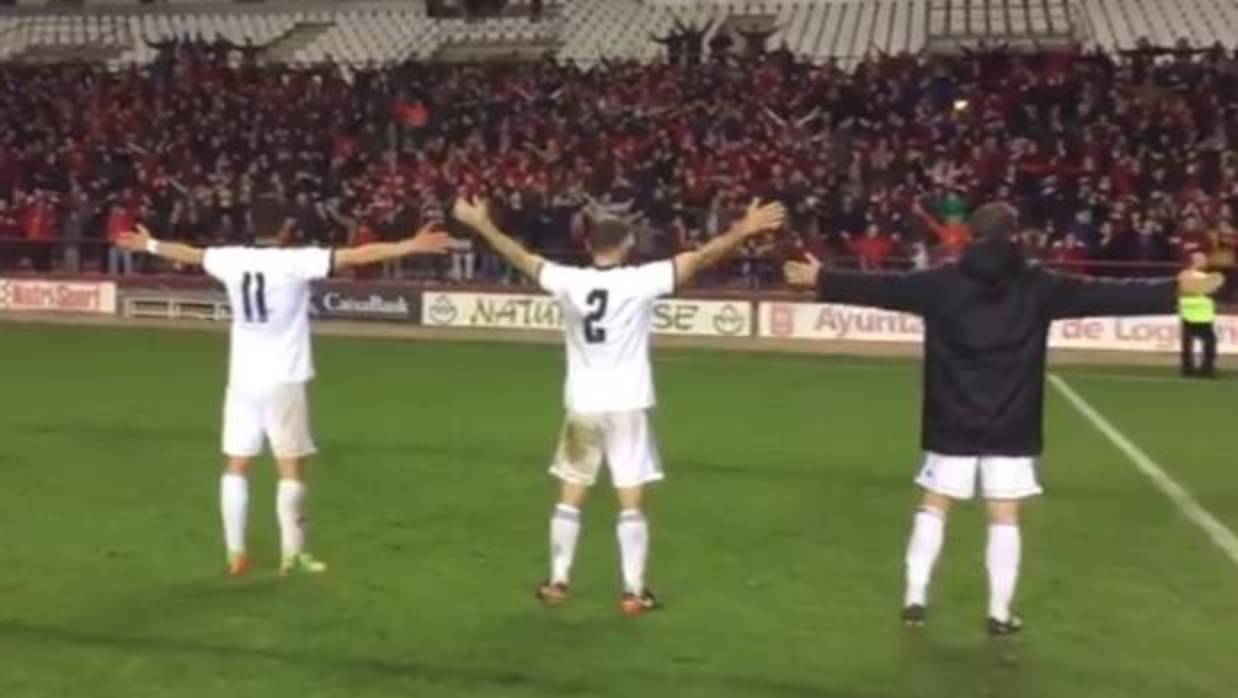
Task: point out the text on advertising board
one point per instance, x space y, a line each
59 296
364 302
526 311
841 323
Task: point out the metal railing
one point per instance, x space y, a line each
742 273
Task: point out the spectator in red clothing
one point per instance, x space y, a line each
38 226
412 114
121 219
363 233
215 148
10 233
873 249
1069 253
953 234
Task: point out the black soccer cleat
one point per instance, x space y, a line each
915 616
633 605
552 594
1003 628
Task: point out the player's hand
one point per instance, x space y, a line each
1198 283
432 239
761 218
134 240
803 274
471 211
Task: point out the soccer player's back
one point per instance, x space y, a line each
607 321
269 364
269 294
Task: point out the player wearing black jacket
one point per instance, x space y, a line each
986 321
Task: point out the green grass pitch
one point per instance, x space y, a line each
778 535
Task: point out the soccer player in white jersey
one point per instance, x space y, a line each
607 320
269 364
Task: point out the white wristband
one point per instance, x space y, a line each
152 246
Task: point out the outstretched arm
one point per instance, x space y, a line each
759 219
476 214
429 240
1071 296
142 241
903 292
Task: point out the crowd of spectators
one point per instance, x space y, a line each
1115 161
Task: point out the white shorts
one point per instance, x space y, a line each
278 414
624 439
1001 477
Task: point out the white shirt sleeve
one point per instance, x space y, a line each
553 278
219 262
657 278
312 263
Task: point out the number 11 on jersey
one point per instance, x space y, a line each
254 296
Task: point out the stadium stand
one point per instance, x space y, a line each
346 119
845 30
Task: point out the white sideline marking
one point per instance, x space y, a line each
884 363
1221 535
1132 378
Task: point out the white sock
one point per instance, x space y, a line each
234 509
1002 559
564 530
288 507
927 531
633 534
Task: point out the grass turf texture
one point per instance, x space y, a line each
778 535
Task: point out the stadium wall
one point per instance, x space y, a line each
734 322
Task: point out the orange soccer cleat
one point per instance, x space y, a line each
238 564
633 605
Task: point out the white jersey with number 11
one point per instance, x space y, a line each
607 320
269 292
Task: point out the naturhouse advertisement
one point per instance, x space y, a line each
703 318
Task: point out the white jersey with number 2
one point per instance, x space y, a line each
269 292
607 320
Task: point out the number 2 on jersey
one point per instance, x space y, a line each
596 300
254 296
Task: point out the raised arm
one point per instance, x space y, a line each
142 241
904 292
930 221
1069 296
475 213
759 219
431 239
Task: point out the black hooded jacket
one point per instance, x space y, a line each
986 322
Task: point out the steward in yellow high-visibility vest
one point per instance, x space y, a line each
1198 313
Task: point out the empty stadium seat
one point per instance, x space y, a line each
584 30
